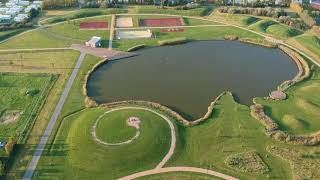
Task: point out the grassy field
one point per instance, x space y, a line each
22 96
71 30
300 112
83 13
310 42
198 33
7 34
202 11
76 154
58 62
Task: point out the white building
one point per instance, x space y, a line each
10 4
38 3
94 42
24 3
3 10
5 17
21 17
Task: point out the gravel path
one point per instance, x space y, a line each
38 152
178 169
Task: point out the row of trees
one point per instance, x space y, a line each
270 12
304 14
277 13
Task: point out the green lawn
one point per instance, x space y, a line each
310 42
202 11
71 30
300 112
198 33
83 13
23 95
37 39
76 154
115 122
230 130
7 34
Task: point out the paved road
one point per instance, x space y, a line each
37 154
178 169
170 27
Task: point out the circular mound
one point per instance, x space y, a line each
112 128
293 122
278 95
86 157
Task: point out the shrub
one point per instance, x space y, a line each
9 146
304 15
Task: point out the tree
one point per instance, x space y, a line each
9 146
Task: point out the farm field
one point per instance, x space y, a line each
224 142
22 97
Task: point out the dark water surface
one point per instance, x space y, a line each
188 77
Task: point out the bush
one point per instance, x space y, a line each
304 15
9 146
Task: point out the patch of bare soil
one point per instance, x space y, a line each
10 117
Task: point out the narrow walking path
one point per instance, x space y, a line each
178 169
38 152
111 34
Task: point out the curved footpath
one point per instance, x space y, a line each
178 169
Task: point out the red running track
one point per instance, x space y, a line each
161 22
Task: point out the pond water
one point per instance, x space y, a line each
188 77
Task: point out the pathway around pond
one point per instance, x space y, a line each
178 169
43 141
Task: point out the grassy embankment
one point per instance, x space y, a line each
7 34
259 24
202 11
178 176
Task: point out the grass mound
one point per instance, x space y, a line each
247 162
309 106
282 31
113 128
292 122
89 160
201 11
250 20
274 28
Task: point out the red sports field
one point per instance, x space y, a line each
93 25
161 22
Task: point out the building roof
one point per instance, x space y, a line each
94 40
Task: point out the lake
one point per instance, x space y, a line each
188 77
